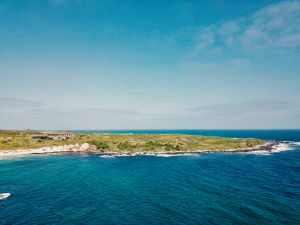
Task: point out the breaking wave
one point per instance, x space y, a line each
281 147
286 146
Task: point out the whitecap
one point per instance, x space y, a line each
125 155
174 155
295 143
281 147
259 152
106 156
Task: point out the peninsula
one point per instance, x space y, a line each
14 143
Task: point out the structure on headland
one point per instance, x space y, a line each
52 134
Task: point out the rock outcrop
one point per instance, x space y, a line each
52 149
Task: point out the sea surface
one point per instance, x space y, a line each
208 188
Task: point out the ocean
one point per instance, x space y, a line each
208 188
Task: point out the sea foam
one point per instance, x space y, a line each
174 155
281 147
260 152
106 156
295 143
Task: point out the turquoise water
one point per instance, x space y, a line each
211 188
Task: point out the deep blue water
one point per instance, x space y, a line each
210 188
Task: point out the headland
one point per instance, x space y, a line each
18 143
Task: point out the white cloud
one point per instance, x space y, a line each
17 103
205 39
274 26
242 108
156 97
78 118
212 68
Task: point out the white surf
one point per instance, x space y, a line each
281 147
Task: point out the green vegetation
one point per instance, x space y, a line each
100 145
104 142
123 146
153 145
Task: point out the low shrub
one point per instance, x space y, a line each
100 145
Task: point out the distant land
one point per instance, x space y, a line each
13 143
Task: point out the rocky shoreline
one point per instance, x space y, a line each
268 146
46 150
87 148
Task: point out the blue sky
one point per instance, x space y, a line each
74 64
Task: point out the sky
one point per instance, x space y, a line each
137 64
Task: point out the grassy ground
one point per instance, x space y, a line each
10 140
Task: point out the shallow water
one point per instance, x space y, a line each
210 188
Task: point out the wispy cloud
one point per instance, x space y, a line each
77 118
84 112
275 26
18 103
183 8
153 97
216 68
243 108
91 113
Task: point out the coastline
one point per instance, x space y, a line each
86 148
73 148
